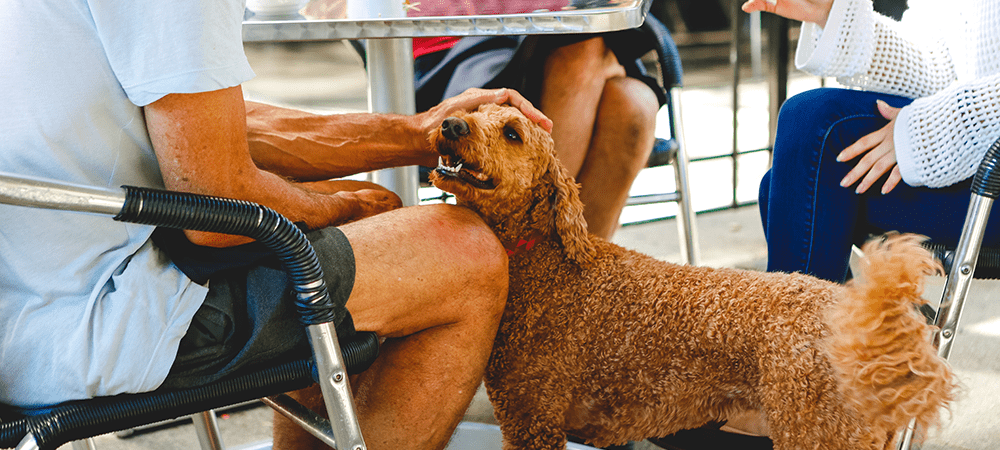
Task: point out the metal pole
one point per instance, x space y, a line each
686 226
38 193
778 48
304 417
734 61
956 288
336 387
390 90
206 427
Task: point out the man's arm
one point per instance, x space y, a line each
200 142
307 146
206 143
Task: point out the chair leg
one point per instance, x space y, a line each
27 443
336 388
956 287
84 444
304 417
207 428
686 227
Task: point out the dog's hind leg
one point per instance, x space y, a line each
808 413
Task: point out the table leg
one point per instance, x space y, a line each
390 90
777 81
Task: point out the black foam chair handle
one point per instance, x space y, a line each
72 421
987 180
221 215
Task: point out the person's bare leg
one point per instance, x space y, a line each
603 121
624 131
433 280
572 85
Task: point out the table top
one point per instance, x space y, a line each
326 20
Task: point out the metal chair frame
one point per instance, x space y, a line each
985 190
674 150
77 421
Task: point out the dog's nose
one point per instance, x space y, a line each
454 128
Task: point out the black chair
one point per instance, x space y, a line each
50 427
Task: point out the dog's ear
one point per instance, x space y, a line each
567 213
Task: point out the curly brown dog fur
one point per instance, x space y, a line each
613 345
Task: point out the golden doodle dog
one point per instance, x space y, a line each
612 345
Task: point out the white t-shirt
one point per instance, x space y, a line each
88 306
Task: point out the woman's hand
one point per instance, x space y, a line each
879 155
815 11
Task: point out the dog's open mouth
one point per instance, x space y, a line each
453 166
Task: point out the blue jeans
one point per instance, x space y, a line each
810 221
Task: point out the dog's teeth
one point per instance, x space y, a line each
440 161
458 167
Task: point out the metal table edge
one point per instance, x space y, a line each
563 22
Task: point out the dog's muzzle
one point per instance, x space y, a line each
454 128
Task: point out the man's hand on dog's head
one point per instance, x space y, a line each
469 101
472 98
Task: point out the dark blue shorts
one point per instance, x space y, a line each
249 317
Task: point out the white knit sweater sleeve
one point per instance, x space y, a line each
845 47
873 52
941 137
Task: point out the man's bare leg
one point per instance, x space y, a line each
572 84
601 120
622 140
433 280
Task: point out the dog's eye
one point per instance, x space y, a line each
511 133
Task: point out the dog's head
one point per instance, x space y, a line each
502 165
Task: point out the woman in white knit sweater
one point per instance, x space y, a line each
927 109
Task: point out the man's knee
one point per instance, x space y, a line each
567 56
632 106
475 249
633 99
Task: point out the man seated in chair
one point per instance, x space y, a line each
147 93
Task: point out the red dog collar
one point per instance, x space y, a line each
522 245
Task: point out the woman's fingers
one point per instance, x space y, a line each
894 178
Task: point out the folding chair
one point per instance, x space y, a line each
332 362
963 260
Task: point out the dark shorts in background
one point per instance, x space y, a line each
249 317
515 62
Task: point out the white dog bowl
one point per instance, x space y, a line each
480 436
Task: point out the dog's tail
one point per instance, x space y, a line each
880 345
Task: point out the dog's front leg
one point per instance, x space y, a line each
528 418
531 432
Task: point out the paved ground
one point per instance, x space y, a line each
329 78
